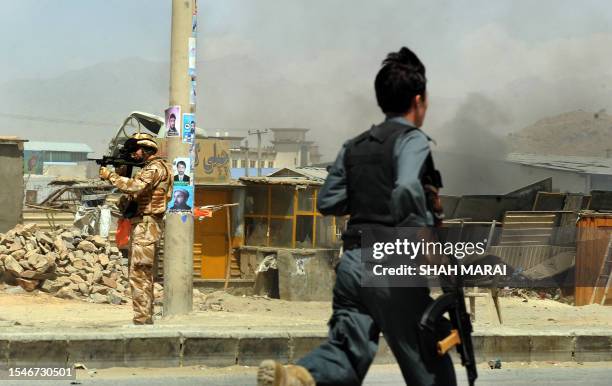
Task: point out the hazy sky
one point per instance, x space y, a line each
521 54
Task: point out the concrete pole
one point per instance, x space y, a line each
248 165
259 133
178 246
258 153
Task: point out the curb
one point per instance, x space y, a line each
172 348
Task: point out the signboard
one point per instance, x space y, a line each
212 161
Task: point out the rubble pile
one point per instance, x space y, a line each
537 294
64 263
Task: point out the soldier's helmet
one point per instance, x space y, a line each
141 140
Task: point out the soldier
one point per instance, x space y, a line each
148 189
383 178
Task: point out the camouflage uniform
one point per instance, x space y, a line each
149 188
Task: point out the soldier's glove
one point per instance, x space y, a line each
105 173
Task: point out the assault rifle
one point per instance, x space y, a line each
114 161
453 302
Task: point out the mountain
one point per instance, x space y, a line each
577 133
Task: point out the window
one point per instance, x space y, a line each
262 164
270 164
286 216
243 163
234 163
252 164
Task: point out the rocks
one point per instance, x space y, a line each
12 266
109 282
66 293
28 285
98 298
53 286
87 246
64 263
98 241
114 298
103 259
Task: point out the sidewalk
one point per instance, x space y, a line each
225 330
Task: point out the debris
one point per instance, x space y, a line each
65 263
496 364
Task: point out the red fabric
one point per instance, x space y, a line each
198 212
122 238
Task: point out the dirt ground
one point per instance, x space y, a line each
219 309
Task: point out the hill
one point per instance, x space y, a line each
577 133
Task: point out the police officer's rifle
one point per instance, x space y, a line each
453 302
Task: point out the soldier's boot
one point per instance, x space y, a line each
272 373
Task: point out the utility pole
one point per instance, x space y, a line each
246 169
178 246
259 133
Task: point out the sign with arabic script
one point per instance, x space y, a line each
212 161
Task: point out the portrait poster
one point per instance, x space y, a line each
192 56
182 199
181 171
192 93
173 126
188 127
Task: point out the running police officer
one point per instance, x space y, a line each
381 178
148 189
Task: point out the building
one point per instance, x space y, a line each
57 159
292 148
569 173
11 190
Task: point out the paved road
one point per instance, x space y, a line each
379 375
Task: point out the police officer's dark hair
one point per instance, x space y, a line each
181 163
401 78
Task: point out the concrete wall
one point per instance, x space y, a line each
300 274
11 188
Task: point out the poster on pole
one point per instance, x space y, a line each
173 114
192 56
192 93
181 167
188 127
182 199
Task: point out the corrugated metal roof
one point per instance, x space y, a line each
585 165
281 180
308 172
11 139
240 172
57 146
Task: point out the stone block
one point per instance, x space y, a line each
552 348
153 352
99 353
507 348
214 352
593 348
4 352
33 353
251 351
300 346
